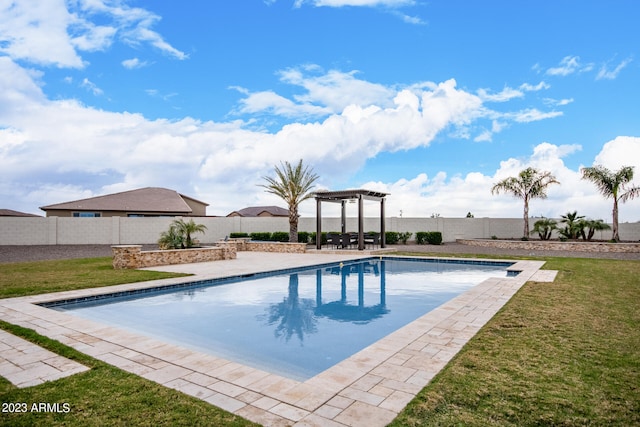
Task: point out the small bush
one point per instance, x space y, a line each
391 237
405 236
323 237
279 236
262 236
237 235
304 236
429 237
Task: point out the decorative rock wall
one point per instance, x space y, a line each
131 256
246 244
554 246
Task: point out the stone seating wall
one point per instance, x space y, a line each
246 244
132 256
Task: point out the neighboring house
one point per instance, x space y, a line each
261 211
9 212
149 201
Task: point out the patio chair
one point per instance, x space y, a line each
347 240
334 240
373 239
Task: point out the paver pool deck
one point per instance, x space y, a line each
368 389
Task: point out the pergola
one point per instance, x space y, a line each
342 197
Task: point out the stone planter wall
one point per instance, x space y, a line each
246 244
546 245
132 256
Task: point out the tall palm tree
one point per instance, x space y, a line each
293 185
613 184
529 184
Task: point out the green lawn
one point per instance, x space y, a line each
562 353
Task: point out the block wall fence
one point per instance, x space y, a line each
134 231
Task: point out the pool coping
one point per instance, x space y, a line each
369 388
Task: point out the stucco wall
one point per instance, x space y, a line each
130 231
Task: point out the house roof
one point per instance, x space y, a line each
258 210
149 199
11 212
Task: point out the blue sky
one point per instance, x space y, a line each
431 101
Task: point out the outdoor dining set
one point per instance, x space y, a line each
349 240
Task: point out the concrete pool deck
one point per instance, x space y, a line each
368 389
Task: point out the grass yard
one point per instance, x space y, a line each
565 353
31 278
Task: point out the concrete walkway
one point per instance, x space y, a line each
368 389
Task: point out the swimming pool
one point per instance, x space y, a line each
297 322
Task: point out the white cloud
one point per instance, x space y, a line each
134 63
369 3
506 94
607 74
569 65
55 32
91 87
56 144
422 196
532 115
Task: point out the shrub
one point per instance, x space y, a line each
391 237
405 236
323 237
237 235
304 236
429 237
262 236
279 236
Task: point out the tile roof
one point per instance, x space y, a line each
257 210
149 199
11 212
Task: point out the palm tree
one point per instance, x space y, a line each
593 225
293 185
529 184
186 229
574 227
613 184
544 227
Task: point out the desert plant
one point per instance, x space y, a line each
293 185
530 184
179 234
187 228
574 225
171 239
403 237
544 227
613 185
593 225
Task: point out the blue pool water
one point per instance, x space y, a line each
295 323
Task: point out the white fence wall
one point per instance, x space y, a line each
123 231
